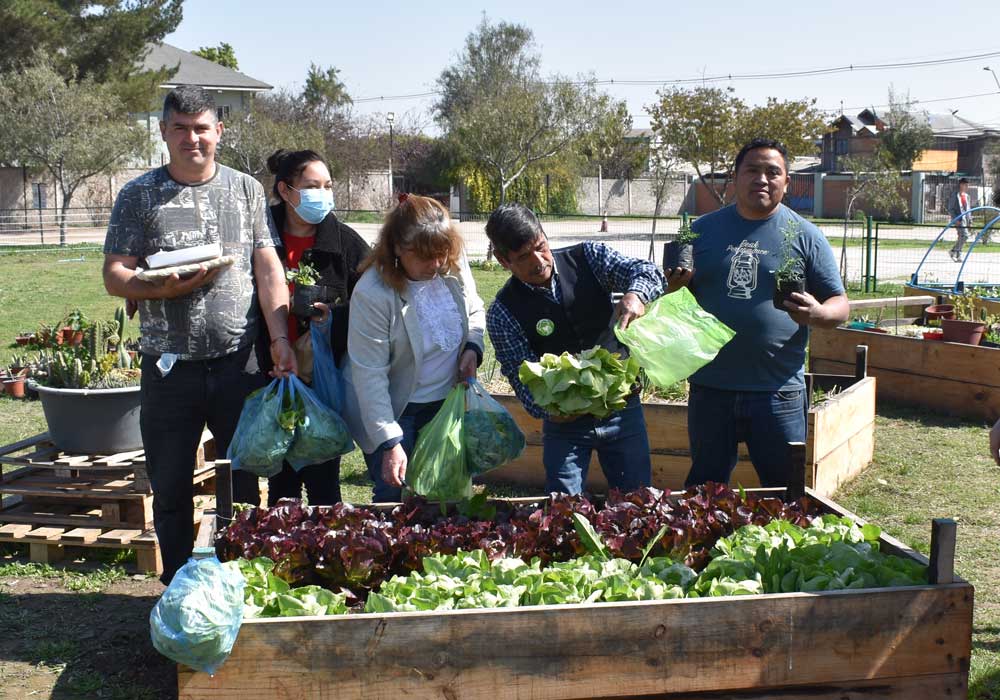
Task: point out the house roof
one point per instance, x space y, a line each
195 70
954 126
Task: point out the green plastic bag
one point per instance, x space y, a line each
675 338
437 470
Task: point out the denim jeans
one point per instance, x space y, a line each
174 411
415 416
322 482
622 449
766 421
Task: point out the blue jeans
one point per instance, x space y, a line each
621 443
415 416
766 421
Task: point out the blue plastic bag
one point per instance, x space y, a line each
320 433
265 430
327 383
196 620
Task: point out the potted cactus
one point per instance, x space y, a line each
680 251
790 277
90 392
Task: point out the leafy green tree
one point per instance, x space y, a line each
102 40
323 91
906 136
706 127
501 116
223 54
74 130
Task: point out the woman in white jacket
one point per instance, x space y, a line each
416 328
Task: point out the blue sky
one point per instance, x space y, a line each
396 48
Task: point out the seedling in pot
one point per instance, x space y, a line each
790 277
679 253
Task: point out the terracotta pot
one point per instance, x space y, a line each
968 332
933 335
24 339
940 311
14 387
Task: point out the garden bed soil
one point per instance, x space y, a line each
953 378
905 642
840 442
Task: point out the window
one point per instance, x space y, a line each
841 146
223 112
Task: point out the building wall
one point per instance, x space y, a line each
630 197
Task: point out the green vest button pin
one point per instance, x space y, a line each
545 327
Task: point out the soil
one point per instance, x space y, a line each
57 643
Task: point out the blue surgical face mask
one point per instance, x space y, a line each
314 204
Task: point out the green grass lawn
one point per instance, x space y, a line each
925 466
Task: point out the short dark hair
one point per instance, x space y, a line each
288 165
963 181
188 99
511 227
761 142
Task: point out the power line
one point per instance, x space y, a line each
732 77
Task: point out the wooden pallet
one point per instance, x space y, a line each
53 500
39 452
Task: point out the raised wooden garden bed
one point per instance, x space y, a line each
905 642
840 439
963 380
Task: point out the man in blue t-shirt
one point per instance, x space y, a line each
754 390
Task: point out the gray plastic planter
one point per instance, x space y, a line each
92 421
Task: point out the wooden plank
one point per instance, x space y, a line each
942 566
845 461
44 534
206 530
84 535
15 530
48 486
111 512
120 458
958 362
859 304
23 444
45 553
586 651
149 560
119 537
842 417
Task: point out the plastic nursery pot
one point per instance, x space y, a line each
783 290
940 311
677 255
307 294
14 387
933 335
968 332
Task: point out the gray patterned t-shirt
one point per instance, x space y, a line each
155 212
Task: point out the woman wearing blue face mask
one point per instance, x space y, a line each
312 234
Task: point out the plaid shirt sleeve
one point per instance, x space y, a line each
617 273
512 348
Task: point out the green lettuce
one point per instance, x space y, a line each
595 382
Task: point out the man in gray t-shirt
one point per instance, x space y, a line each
197 332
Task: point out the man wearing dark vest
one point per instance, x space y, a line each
560 301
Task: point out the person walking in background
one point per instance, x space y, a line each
417 326
198 333
312 235
958 206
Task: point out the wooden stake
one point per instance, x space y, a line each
943 535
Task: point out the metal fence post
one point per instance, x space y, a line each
875 266
868 254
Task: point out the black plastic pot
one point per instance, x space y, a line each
783 290
677 255
306 295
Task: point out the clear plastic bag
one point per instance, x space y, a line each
327 383
196 620
265 430
490 434
437 470
320 434
675 338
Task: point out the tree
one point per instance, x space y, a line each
706 127
500 115
323 91
73 130
610 151
272 122
223 54
906 135
102 40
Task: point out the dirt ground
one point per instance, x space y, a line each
60 643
